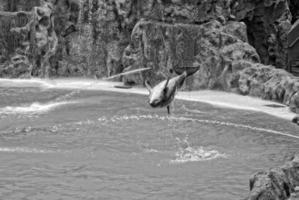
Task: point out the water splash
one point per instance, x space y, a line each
187 153
34 108
196 154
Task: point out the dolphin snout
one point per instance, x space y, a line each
154 103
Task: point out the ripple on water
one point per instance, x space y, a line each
204 121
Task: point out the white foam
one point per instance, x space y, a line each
190 154
151 150
32 108
23 150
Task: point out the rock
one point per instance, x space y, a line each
294 8
41 43
164 46
19 67
13 39
294 102
276 183
267 31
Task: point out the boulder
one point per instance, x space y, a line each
212 46
276 183
268 23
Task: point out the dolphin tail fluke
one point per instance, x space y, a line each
147 85
189 70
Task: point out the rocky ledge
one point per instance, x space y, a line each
276 183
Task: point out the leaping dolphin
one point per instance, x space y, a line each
164 92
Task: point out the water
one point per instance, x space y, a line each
80 144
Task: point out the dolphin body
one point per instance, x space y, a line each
164 92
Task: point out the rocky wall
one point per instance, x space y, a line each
15 46
98 31
276 183
268 23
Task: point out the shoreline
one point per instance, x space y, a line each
212 97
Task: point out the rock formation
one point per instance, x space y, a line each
30 39
268 23
276 183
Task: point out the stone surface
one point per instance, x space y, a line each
267 23
294 8
212 46
276 183
29 35
13 43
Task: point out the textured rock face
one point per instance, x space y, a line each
101 28
276 183
269 83
14 45
212 46
30 38
267 23
294 8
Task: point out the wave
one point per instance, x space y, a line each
35 107
23 150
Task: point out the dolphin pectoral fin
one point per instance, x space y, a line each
165 90
180 81
148 86
168 109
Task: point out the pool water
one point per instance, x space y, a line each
80 144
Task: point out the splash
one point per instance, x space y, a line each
191 154
35 107
187 153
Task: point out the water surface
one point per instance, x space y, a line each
79 144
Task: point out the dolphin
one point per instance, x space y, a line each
164 92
